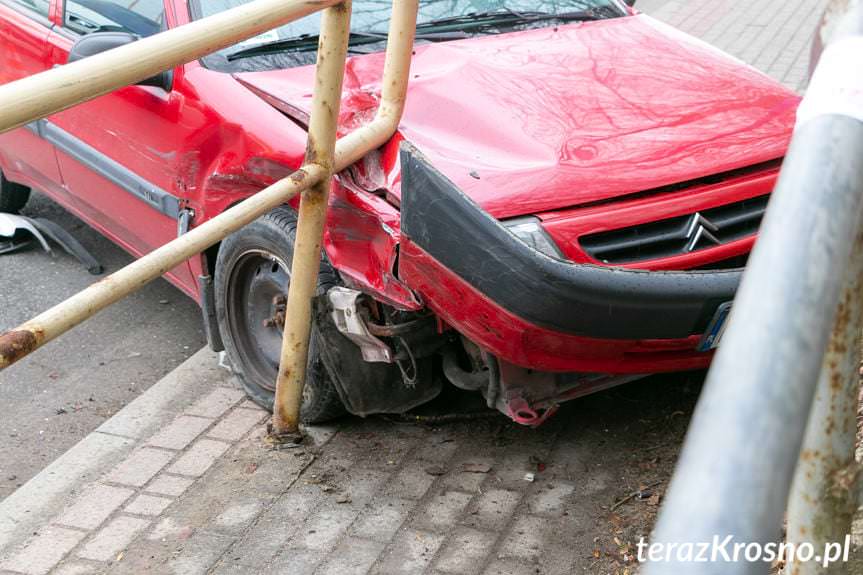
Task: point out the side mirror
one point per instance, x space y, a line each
98 42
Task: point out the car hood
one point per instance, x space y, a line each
544 119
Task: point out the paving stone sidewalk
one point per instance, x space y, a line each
772 35
203 493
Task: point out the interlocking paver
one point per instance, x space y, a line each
493 509
200 553
465 551
238 516
148 505
442 511
411 482
410 552
166 484
216 403
382 518
44 550
298 561
94 505
79 567
352 557
550 499
324 528
237 424
140 467
180 432
113 538
199 458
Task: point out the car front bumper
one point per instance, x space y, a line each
539 312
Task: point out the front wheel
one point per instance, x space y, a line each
251 283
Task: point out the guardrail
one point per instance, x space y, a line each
37 96
775 426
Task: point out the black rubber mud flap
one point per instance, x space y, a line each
367 388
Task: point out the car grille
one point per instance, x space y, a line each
678 235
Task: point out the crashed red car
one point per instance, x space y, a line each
568 203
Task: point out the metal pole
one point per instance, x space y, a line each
312 217
734 474
825 488
323 121
823 493
54 90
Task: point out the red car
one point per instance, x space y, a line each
567 204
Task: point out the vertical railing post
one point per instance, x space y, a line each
332 52
824 491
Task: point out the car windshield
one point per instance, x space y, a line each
438 20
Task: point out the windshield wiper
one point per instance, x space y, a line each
505 17
309 42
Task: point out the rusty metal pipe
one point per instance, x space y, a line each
312 216
48 92
323 121
824 490
742 450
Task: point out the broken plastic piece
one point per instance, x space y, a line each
18 232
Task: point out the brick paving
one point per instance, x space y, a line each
199 491
368 496
772 35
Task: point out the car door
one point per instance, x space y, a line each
24 30
118 153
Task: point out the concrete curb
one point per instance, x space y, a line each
35 502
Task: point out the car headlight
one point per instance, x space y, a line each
529 231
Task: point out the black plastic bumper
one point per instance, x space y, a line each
586 300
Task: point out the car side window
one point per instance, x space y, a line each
140 17
38 6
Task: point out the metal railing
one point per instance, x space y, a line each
775 426
35 97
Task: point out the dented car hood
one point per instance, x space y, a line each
544 119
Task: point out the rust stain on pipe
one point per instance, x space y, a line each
16 344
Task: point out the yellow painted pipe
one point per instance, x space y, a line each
323 121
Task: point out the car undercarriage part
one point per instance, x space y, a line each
351 324
17 231
527 396
369 387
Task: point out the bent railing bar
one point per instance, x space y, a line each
325 151
735 472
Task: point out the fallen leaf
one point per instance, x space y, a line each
476 467
436 470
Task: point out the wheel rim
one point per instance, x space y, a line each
256 296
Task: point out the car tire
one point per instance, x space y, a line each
251 279
13 196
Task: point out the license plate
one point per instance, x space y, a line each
710 339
